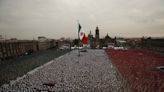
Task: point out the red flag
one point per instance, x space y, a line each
84 39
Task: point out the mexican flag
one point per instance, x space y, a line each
84 40
79 28
80 32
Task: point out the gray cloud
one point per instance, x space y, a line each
26 19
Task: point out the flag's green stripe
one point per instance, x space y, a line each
79 27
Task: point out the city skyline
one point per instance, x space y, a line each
28 19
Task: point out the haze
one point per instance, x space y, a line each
28 19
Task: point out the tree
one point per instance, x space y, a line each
76 42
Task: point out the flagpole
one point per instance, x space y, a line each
78 38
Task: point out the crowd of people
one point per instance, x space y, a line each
140 69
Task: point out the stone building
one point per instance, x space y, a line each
96 42
107 40
90 40
155 44
45 43
10 48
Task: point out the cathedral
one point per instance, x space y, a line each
96 42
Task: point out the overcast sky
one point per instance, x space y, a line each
27 19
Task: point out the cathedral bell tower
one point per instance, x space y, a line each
97 35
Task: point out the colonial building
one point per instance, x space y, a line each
155 44
91 41
96 42
105 42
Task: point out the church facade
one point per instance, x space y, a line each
97 42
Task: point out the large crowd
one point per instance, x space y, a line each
90 72
140 68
